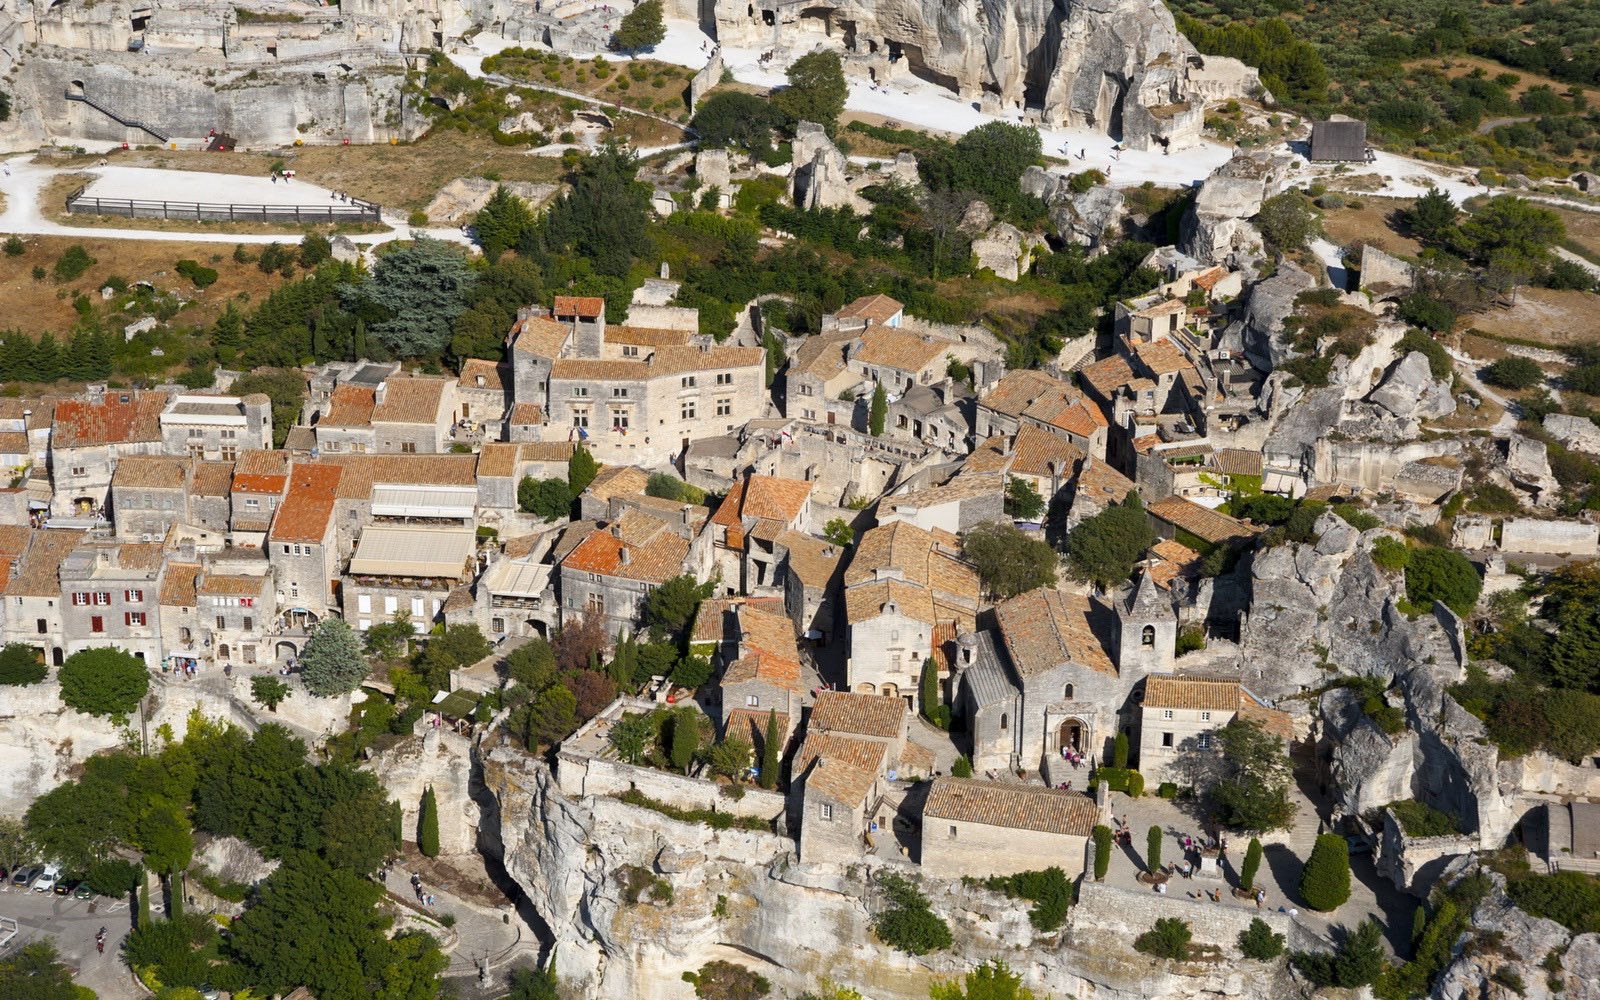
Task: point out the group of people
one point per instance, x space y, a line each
287 175
1072 756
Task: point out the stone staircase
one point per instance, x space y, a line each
128 122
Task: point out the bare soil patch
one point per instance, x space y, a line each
1545 316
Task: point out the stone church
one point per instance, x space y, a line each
1057 671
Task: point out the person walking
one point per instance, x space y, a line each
100 941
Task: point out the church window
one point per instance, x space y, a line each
1004 720
1148 636
1068 693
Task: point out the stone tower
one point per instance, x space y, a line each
1147 631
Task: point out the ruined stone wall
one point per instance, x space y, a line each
1532 535
1372 464
1128 914
583 776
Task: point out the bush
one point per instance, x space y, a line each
1325 881
103 682
1260 942
1102 851
417 218
21 665
1135 784
908 924
1191 638
1252 864
1390 554
1049 890
1513 373
15 247
1169 938
1443 575
1429 313
719 980
1418 819
1119 751
72 263
1167 790
962 768
198 274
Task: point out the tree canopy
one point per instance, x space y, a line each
816 90
103 682
500 223
1104 548
1009 561
731 118
21 665
1442 575
670 608
642 27
332 663
411 301
1252 790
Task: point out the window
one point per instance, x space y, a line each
229 453
249 624
952 833
133 618
752 701
195 432
619 392
619 420
630 351
809 414
294 588
580 418
390 604
416 608
97 624
103 598
596 603
580 390
1005 722
497 624
80 600
687 382
133 596
1166 739
1205 716
686 411
408 447
1166 713
724 407
253 503
1067 694
286 550
229 435
249 654
40 625
364 604
805 388
78 470
1148 636
222 622
825 811
724 378
1205 741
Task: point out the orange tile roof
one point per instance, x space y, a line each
498 459
305 512
839 748
1107 375
349 406
1161 357
262 462
546 451
38 574
1018 389
1042 454
866 601
813 561
140 555
727 513
361 472
774 497
258 484
1044 629
993 454
527 415
212 479
766 628
495 374
414 400
766 668
1099 482
540 337
858 714
872 308
1208 279
899 349
1172 691
150 472
821 356
1012 806
1210 525
178 585
840 781
750 725
653 555
646 336
586 306
599 370
618 481
713 622
82 424
232 585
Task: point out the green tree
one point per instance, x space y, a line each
411 301
1260 942
1325 880
166 841
907 923
391 639
641 28
1169 938
114 877
1119 751
670 608
1102 852
103 682
993 980
730 758
988 162
534 984
315 250
552 716
1443 575
775 355
879 412
933 707
1104 548
1009 561
16 846
1252 789
550 499
685 737
532 664
1023 501
332 663
1506 223
961 767
33 972
770 751
838 532
1513 373
731 118
1360 960
1288 222
1152 849
631 736
268 691
501 221
603 219
581 469
1432 216
1252 864
428 824
816 90
21 665
286 389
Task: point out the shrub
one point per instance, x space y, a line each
908 924
1192 638
1049 890
1102 851
1135 784
719 980
198 274
1444 575
72 263
417 218
1167 790
1513 373
1260 942
1390 554
1252 864
21 665
15 247
1418 819
1169 938
1325 882
962 768
1152 849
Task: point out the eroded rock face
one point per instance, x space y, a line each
1087 219
1216 230
1411 391
42 741
1260 331
820 178
1528 465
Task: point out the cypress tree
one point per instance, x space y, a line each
1252 864
1325 882
685 738
769 752
428 825
930 691
1119 751
1102 851
1152 849
880 411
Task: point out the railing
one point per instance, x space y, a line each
128 122
133 208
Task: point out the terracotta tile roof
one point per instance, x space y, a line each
1161 357
767 668
869 756
899 349
866 601
495 374
1099 482
178 585
646 336
813 561
38 574
258 484
767 629
1017 389
916 759
304 514
858 714
150 472
821 356
527 415
872 308
82 424
546 451
232 586
1107 375
586 306
140 555
14 540
1274 721
497 459
919 556
654 554
1212 693
1208 279
1043 629
774 497
361 472
618 481
687 360
14 443
727 512
1173 559
1165 307
212 479
539 336
1238 462
1211 525
349 406
262 462
599 370
1011 806
414 400
993 454
1042 454
750 725
840 781
714 621
1075 416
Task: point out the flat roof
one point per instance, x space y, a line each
404 550
424 501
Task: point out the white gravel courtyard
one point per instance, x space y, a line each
153 184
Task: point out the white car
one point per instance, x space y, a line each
47 879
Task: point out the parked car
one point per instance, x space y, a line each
66 885
48 878
26 874
83 891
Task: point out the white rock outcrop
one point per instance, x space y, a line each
1410 390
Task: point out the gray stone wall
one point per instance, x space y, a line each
1128 914
955 849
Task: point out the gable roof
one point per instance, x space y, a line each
766 668
774 497
636 547
495 374
821 356
1012 806
586 306
38 572
1203 522
872 308
84 424
1107 375
304 514
899 349
1041 454
539 336
858 714
349 406
150 472
178 585
413 400
866 601
1043 629
840 749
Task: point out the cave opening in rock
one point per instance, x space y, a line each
1040 64
919 67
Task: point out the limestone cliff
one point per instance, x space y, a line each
743 897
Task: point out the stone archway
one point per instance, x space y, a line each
285 651
1072 735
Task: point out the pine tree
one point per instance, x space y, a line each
46 358
228 330
641 28
101 364
428 824
1252 864
769 751
880 411
77 363
500 223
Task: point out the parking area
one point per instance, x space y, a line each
68 922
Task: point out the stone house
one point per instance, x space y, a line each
838 781
302 544
810 570
897 359
1028 397
980 829
871 311
33 603
236 614
1180 715
87 438
932 415
497 475
182 637
345 426
1149 318
1095 487
817 376
755 685
719 636
891 633
1196 526
414 415
210 496
110 597
259 481
149 494
410 568
216 428
966 500
747 524
594 503
611 571
483 392
516 599
1044 460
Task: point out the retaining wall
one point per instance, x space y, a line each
1128 914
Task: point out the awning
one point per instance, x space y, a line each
412 551
424 501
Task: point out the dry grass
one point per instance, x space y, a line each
1375 222
1457 65
657 87
1545 316
37 306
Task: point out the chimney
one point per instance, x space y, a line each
623 557
379 393
616 530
